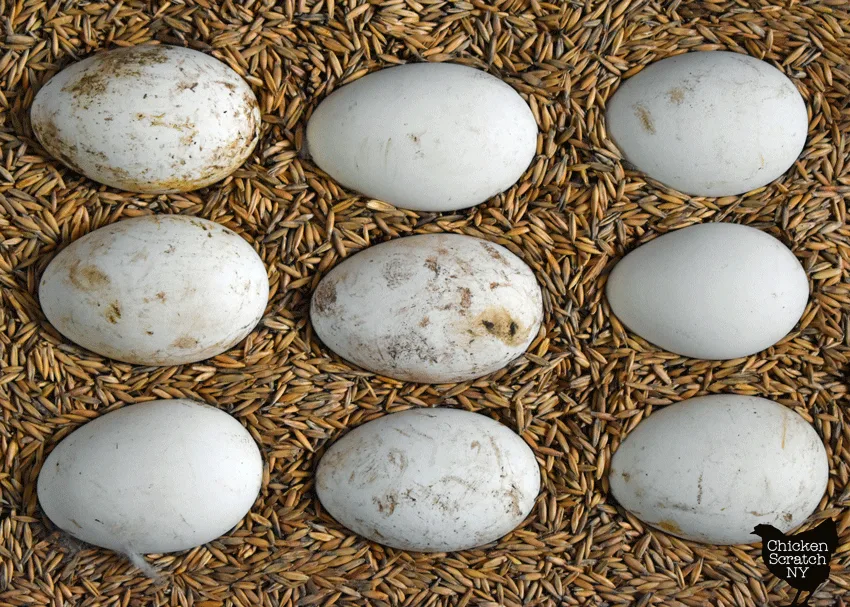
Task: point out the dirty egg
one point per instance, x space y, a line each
156 290
429 480
711 468
148 118
709 123
154 477
424 136
434 308
714 291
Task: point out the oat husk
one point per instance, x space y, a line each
585 381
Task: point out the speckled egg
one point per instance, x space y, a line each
429 480
152 119
433 308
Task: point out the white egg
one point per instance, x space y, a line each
435 308
424 136
156 290
160 476
709 123
430 480
148 118
711 468
714 291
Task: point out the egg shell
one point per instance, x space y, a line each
148 118
424 136
158 477
434 308
429 480
156 290
711 468
713 291
709 123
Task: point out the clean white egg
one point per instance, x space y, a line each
711 468
714 291
159 476
424 136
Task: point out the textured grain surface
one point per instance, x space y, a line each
585 381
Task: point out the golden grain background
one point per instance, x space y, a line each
585 381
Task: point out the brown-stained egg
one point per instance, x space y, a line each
151 119
434 308
156 290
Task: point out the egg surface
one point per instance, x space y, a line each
714 291
156 290
159 476
711 468
424 136
434 308
429 480
709 123
153 119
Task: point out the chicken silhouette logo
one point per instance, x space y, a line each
802 560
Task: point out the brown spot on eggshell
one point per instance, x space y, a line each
324 299
122 178
465 298
669 526
645 118
406 344
493 252
185 342
397 273
93 86
48 133
514 500
431 264
387 504
677 95
113 312
185 127
87 277
89 84
499 323
397 459
699 488
113 65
